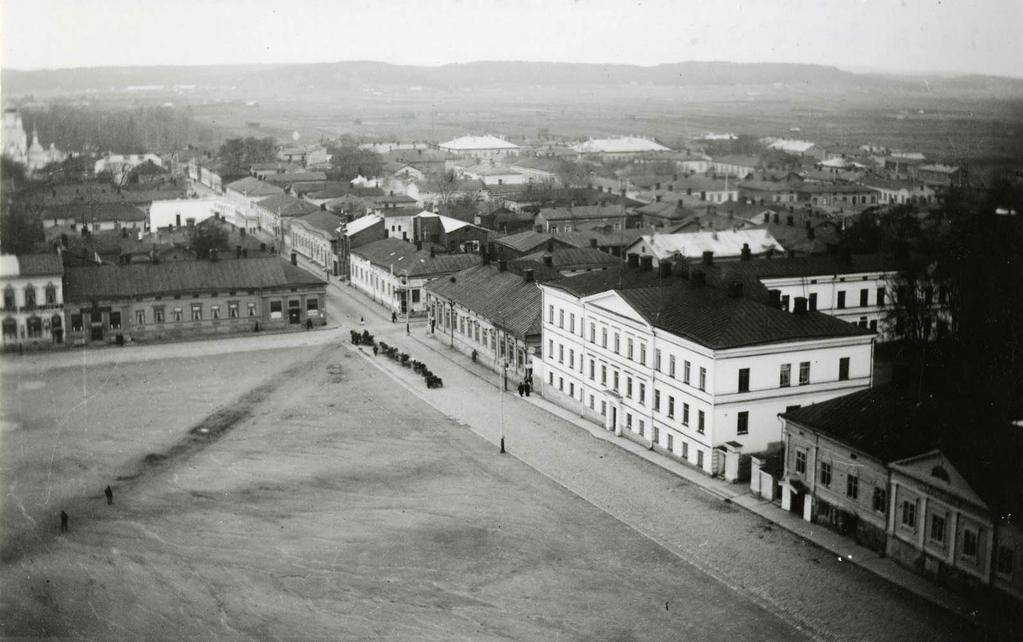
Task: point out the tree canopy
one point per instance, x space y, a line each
348 161
239 154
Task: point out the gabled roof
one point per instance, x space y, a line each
565 258
722 243
252 187
90 212
395 255
622 145
295 177
362 223
470 143
127 281
582 212
324 222
33 265
530 240
504 298
286 205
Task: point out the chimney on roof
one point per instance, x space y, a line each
527 275
800 306
698 278
632 260
664 269
735 290
774 299
708 257
502 265
745 254
294 258
646 263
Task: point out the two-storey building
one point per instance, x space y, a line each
33 300
695 371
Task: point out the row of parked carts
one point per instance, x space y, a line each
364 338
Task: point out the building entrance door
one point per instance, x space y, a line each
97 332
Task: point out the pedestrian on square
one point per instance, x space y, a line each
63 522
394 317
528 388
408 328
109 492
362 321
522 388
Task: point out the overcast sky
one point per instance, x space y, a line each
979 36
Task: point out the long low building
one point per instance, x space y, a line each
142 302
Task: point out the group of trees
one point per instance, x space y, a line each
348 161
142 129
239 154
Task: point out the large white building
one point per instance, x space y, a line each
618 148
480 147
184 212
724 244
699 373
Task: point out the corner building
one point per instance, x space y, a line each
698 371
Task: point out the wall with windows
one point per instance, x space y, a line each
314 244
32 312
199 313
676 395
388 289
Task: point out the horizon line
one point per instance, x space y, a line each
852 69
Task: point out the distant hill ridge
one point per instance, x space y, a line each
483 73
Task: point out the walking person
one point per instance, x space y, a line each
109 492
394 317
408 328
63 522
522 388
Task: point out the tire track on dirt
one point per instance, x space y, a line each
200 436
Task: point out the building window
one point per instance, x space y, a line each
686 367
592 369
909 514
880 296
312 304
813 301
1004 564
843 369
561 319
603 375
628 421
51 294
864 296
9 298
970 541
825 474
571 323
642 354
642 394
703 378
937 529
671 443
232 309
35 327
603 337
617 342
880 502
550 348
550 315
561 383
685 414
657 360
657 400
593 333
742 423
140 317
852 487
685 450
699 459
785 303
628 348
628 387
841 300
550 378
115 320
614 381
215 311
671 407
804 373
76 322
252 309
561 352
700 421
30 297
801 461
785 375
744 380
571 359
177 314
603 408
196 312
671 366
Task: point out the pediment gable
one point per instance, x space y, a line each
614 303
936 470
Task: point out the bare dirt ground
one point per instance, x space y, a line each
297 494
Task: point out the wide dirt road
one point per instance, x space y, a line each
331 506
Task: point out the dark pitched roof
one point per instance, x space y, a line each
39 264
504 298
809 266
252 186
295 177
119 282
582 212
530 240
574 257
286 205
322 221
396 255
89 212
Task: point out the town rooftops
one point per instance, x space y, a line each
286 205
566 258
127 281
251 186
809 266
31 265
472 143
737 159
324 222
295 177
362 223
529 240
694 244
504 298
621 145
395 256
95 212
578 212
